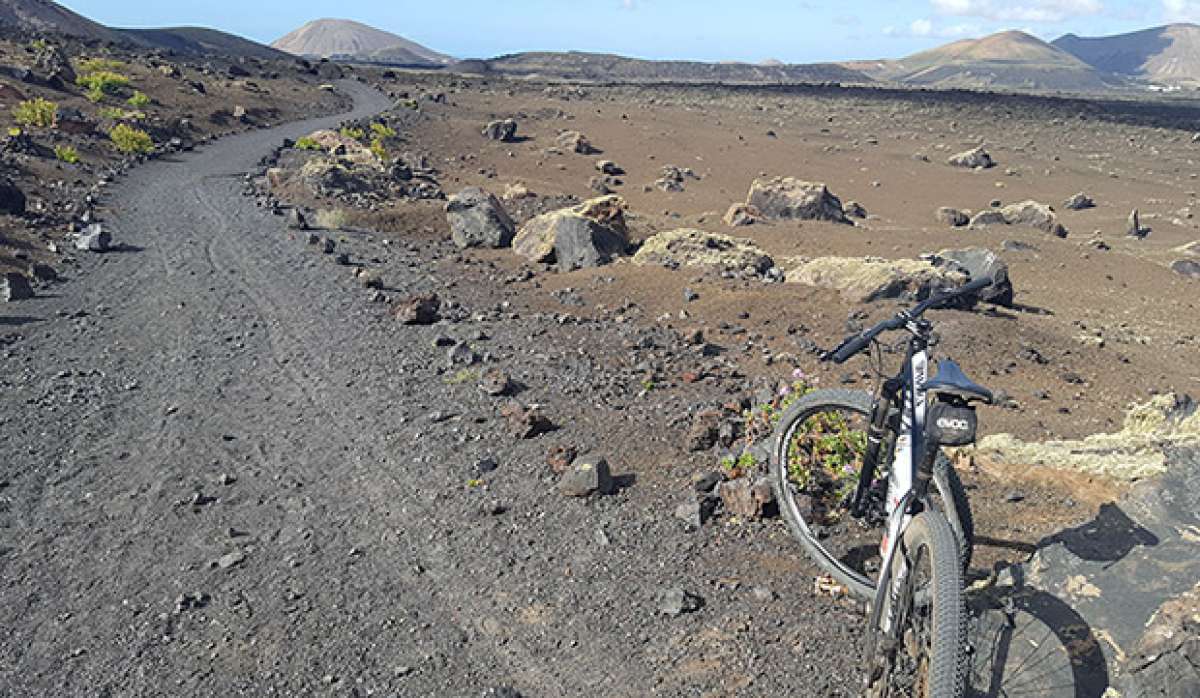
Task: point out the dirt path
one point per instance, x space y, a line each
227 472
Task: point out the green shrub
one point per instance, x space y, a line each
382 130
14 132
101 83
352 132
379 148
39 44
308 143
131 140
113 113
35 112
139 99
99 65
66 153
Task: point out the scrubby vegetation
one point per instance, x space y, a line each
66 153
35 112
308 143
130 140
101 77
139 99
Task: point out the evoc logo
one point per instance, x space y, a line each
953 424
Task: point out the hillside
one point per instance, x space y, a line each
45 16
325 38
611 68
1169 54
1006 60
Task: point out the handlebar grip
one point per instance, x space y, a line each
849 348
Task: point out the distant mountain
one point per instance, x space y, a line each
343 38
1009 59
598 67
1169 54
46 16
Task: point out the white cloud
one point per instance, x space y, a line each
922 28
628 4
1023 10
1181 10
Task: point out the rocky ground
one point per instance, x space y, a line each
52 169
343 455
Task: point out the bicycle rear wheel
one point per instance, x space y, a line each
918 649
815 463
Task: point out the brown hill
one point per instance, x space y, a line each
1009 59
597 67
343 38
46 16
1169 54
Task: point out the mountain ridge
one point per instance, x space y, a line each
1169 53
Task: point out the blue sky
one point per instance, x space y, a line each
748 30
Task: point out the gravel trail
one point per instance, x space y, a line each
227 472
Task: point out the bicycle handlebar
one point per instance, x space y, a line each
857 342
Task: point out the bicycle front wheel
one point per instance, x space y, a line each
816 459
918 648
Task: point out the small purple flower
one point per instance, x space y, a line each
799 374
785 390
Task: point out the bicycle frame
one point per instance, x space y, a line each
912 462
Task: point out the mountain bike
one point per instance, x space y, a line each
849 468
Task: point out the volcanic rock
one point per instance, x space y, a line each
697 248
505 130
866 279
952 217
587 235
477 219
418 310
14 287
790 198
586 476
976 158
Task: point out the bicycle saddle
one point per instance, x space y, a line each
951 379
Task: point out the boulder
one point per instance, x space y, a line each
505 130
745 498
986 218
952 217
854 209
418 310
675 602
609 167
975 158
1186 267
1165 423
697 248
477 219
1078 202
1165 661
740 214
1035 215
866 279
979 263
53 62
525 422
587 235
1192 248
586 476
575 142
791 198
14 287
12 199
94 238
